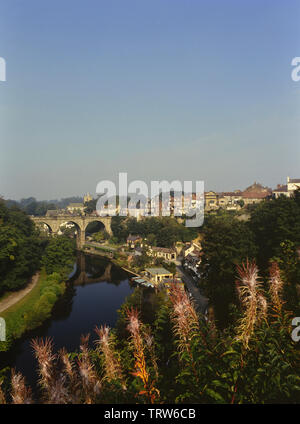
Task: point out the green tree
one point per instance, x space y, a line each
59 254
119 229
227 242
20 248
90 206
100 236
273 222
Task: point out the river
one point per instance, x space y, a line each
95 291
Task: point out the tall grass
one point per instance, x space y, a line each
258 362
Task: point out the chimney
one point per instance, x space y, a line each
288 179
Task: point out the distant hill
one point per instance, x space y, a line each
38 208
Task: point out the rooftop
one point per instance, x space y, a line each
282 188
163 249
133 237
158 271
231 193
255 195
75 205
257 188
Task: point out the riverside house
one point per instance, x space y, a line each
158 275
134 240
163 252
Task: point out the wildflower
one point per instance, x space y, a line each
20 393
68 364
276 286
90 381
2 396
112 365
149 341
45 357
252 299
51 379
184 316
58 393
134 327
186 325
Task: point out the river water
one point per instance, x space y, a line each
96 290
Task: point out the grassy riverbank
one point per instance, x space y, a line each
33 309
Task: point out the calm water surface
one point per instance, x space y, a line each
95 292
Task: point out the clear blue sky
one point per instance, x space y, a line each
162 89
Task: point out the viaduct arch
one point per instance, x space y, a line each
83 277
81 222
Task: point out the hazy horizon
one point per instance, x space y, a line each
95 195
163 90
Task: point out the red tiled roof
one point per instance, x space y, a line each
254 195
257 188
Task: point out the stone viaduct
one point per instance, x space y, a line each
83 277
80 222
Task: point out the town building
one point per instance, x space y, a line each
211 200
189 248
255 194
75 207
287 189
87 198
134 240
158 275
293 184
168 254
280 190
192 261
230 200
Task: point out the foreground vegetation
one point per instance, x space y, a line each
20 249
171 354
179 357
271 234
22 253
33 309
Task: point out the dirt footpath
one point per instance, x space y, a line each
15 297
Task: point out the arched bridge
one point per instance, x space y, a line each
81 223
83 277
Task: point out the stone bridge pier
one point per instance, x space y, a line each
83 278
80 222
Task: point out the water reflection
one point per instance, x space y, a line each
93 296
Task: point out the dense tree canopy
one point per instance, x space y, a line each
20 248
271 234
164 232
226 243
274 222
59 254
